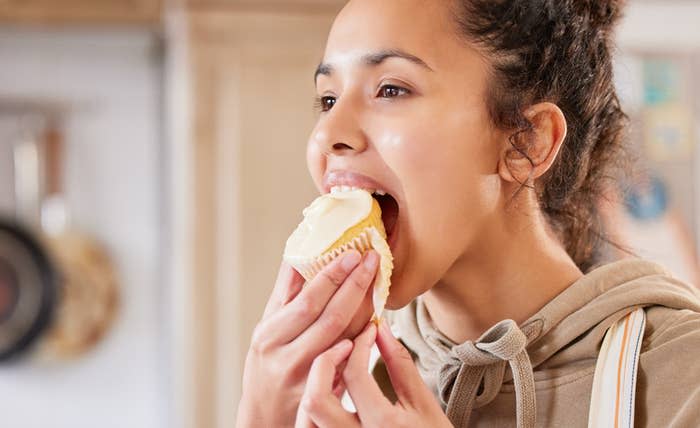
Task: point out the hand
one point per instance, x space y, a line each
320 404
298 324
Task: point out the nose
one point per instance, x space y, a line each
339 131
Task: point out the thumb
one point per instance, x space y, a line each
404 375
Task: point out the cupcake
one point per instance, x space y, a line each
336 222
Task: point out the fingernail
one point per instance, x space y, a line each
371 260
341 350
350 260
385 328
343 345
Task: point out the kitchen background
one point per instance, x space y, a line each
152 164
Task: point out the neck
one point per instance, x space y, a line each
516 269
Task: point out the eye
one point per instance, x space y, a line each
324 104
392 91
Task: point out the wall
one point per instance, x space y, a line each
111 82
645 31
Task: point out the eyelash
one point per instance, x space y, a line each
320 106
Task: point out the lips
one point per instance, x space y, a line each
384 195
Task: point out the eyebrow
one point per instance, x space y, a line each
373 60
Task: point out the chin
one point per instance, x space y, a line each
396 300
400 293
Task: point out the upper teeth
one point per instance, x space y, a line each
336 189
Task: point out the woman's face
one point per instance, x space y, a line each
402 105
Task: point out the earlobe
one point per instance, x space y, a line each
537 148
504 168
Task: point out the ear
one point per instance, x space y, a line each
544 141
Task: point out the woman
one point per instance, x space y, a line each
493 126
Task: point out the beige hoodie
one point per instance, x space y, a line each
553 354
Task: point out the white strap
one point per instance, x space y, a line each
613 393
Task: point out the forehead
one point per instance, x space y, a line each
420 27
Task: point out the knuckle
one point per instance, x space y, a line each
259 342
305 308
359 282
401 355
333 276
312 403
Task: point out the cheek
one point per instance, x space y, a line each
426 170
315 163
440 188
435 166
437 149
440 169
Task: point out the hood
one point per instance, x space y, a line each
566 332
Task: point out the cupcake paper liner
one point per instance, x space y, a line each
370 238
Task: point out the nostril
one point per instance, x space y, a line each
341 146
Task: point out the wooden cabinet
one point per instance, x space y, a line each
306 6
70 12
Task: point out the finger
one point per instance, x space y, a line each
303 420
340 310
318 403
337 352
369 400
292 319
287 285
403 373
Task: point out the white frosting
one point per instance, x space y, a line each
325 221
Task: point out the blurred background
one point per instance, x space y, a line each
152 166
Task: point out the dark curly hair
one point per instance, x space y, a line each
557 51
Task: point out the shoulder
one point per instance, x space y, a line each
671 327
669 369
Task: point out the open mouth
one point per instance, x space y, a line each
390 215
388 205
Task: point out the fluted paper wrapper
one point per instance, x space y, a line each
369 239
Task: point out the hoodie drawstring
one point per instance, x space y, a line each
474 374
